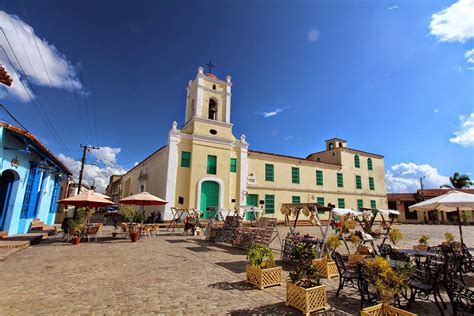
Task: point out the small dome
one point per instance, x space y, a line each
211 76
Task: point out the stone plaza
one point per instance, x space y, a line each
168 274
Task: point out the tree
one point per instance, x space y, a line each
458 181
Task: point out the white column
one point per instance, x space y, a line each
227 100
199 94
243 170
173 140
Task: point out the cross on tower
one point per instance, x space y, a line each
210 66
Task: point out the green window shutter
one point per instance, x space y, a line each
340 180
295 199
269 203
371 183
369 164
356 161
211 164
269 172
185 159
373 204
360 204
295 175
233 165
319 177
341 203
358 182
320 200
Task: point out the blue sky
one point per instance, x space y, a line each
392 77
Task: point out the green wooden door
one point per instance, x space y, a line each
209 198
252 199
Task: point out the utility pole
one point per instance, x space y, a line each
86 149
421 182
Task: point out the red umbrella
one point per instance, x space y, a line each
88 199
143 198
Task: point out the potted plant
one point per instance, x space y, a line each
135 219
395 235
448 239
303 290
76 228
422 243
262 270
357 257
389 284
326 267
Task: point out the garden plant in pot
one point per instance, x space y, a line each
395 235
326 267
422 243
76 228
389 284
303 290
356 257
262 270
134 219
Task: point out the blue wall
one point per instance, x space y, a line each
14 224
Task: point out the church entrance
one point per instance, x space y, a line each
209 198
6 185
252 199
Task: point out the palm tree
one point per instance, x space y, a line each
458 181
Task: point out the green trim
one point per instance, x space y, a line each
185 159
295 175
341 203
360 203
269 172
373 204
369 164
356 161
320 200
319 177
371 183
358 182
233 165
211 164
295 199
340 180
269 203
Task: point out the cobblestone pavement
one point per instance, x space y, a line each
169 274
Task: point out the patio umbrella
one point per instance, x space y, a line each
102 195
144 199
88 199
453 201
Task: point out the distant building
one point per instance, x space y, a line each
402 201
114 188
204 166
30 180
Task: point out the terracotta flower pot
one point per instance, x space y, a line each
76 240
114 234
134 236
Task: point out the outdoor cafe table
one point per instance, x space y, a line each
418 254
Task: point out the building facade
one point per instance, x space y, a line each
30 182
204 166
402 201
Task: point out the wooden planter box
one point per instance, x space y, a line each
382 310
306 300
326 269
355 259
263 278
420 247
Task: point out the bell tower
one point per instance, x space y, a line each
208 98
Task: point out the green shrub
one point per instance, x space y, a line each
395 235
423 240
261 256
449 237
304 274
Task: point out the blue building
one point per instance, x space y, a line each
30 180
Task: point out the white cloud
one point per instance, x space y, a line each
465 136
62 74
393 7
455 23
99 174
470 56
405 177
436 110
272 113
313 35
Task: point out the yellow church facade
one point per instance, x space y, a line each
204 166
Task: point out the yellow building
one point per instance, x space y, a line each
204 166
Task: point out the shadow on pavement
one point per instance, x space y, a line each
234 266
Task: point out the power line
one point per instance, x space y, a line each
13 117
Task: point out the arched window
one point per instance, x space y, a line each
369 164
357 161
331 146
214 87
212 110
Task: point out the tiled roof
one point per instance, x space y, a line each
357 151
438 192
291 157
37 142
